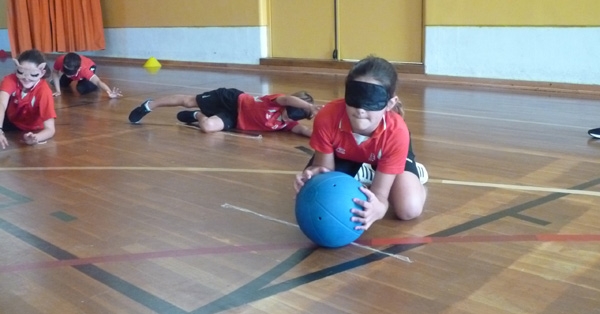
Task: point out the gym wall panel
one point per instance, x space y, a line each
4 41
532 40
223 31
3 17
513 12
183 13
302 29
391 29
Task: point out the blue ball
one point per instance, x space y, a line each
323 207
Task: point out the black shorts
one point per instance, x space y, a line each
7 125
221 102
351 167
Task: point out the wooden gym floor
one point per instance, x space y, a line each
110 217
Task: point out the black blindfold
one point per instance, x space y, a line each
296 113
367 96
68 71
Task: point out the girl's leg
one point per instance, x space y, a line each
85 87
64 81
187 101
407 196
209 124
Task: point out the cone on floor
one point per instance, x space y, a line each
152 63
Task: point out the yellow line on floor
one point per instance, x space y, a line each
516 187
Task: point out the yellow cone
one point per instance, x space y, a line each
152 70
152 63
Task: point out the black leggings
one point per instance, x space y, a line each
83 86
351 167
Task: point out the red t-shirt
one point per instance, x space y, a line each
386 148
28 111
262 114
84 71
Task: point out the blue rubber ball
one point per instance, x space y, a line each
323 209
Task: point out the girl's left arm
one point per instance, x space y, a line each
112 93
43 135
376 205
4 98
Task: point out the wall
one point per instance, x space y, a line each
533 40
307 29
4 42
192 30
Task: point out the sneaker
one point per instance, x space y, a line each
423 175
594 133
139 112
187 117
365 174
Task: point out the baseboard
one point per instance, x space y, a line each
407 68
407 72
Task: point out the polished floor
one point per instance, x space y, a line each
110 217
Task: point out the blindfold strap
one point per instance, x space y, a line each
367 96
68 71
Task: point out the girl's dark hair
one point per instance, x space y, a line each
304 96
380 70
377 68
297 113
72 61
36 57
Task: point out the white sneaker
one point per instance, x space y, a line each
423 175
365 174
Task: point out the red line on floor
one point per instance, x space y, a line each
151 255
483 238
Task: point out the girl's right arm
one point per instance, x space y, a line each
321 163
48 132
56 82
4 97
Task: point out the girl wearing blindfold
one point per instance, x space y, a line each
82 70
26 102
228 108
367 127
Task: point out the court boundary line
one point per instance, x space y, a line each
517 187
266 217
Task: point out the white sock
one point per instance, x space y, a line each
146 106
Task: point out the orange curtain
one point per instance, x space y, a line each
55 25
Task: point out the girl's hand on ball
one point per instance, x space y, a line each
305 175
372 210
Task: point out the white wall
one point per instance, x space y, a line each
4 41
546 54
243 45
543 54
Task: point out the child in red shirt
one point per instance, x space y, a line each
82 69
229 108
26 100
367 127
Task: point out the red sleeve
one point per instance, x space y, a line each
271 99
86 64
58 63
324 124
9 84
46 102
86 73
